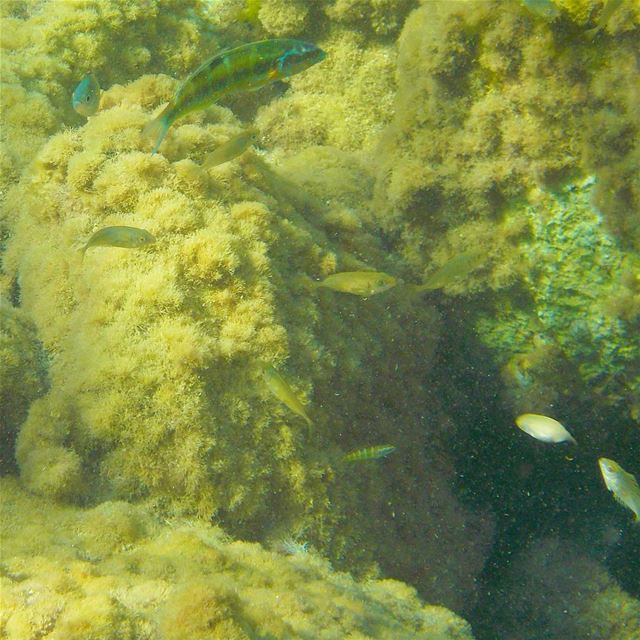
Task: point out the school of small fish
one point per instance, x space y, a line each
254 65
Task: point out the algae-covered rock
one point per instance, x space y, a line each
500 117
183 581
493 100
584 303
156 386
23 370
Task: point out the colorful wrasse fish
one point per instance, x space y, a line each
622 484
283 391
370 453
244 68
359 283
86 96
124 237
231 149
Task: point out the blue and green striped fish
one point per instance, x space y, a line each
244 68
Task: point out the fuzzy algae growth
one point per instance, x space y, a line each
156 390
501 119
156 357
117 573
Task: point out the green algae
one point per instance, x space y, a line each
575 271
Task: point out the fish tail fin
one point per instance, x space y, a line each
157 128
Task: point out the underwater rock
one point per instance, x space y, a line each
23 372
182 580
48 47
582 306
156 390
553 590
498 118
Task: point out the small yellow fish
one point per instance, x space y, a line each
543 428
124 237
283 391
622 485
359 283
86 96
370 453
231 149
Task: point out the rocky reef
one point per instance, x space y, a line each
486 149
117 572
157 355
497 145
554 590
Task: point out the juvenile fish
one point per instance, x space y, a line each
359 283
543 428
231 149
124 237
370 453
86 96
460 266
622 485
244 68
281 390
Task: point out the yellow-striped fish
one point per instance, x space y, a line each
283 391
622 485
370 453
457 268
244 68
